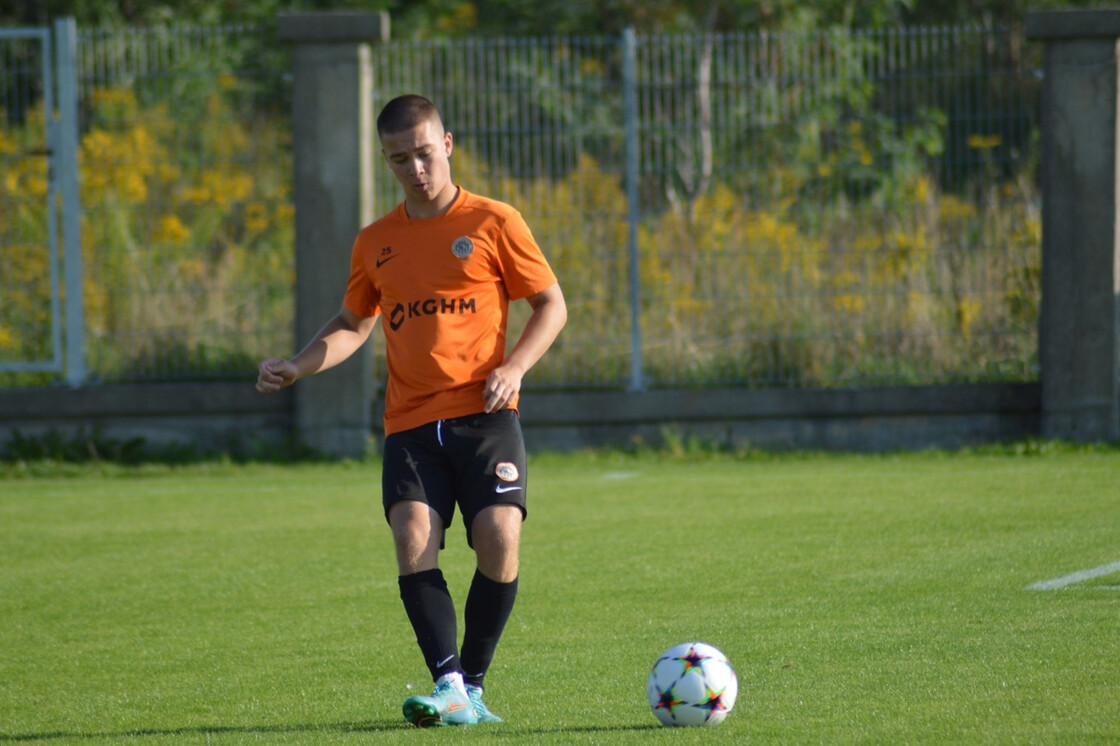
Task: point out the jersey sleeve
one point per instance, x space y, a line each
524 268
362 297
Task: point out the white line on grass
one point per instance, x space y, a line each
1075 577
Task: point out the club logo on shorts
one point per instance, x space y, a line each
462 247
506 471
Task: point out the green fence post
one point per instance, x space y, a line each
66 70
630 102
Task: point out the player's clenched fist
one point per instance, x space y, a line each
274 374
502 386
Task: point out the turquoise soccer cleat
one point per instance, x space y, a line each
448 705
481 711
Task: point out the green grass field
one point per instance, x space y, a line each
862 599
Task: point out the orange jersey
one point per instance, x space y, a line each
443 287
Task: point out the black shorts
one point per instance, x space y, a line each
473 462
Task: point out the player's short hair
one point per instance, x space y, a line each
405 112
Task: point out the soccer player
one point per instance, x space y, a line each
440 271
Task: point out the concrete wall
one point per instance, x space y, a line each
213 416
221 416
872 420
1079 324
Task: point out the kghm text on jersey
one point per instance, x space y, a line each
429 307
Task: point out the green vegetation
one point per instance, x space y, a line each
187 230
841 260
443 18
25 455
875 599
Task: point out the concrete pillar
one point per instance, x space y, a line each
1079 328
333 143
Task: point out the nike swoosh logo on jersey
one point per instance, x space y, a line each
386 259
506 488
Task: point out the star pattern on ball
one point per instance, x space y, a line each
666 700
691 660
713 703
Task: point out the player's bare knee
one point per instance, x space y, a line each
500 569
417 532
496 535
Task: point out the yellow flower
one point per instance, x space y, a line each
256 217
132 186
171 230
984 142
285 212
462 18
7 145
192 268
168 173
225 188
921 190
35 181
119 163
967 310
954 208
848 303
197 195
590 66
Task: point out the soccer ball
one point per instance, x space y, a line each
692 684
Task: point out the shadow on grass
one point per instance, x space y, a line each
368 726
592 729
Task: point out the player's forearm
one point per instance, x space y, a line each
334 343
544 325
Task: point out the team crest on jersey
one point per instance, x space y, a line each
462 247
506 471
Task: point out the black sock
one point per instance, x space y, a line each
432 613
489 604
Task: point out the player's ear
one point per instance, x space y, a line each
448 143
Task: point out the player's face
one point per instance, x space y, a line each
419 158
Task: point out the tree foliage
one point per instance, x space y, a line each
453 18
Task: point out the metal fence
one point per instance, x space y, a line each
30 318
825 209
186 173
747 209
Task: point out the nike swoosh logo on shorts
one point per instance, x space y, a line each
506 488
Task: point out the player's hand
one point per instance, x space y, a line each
274 374
502 386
